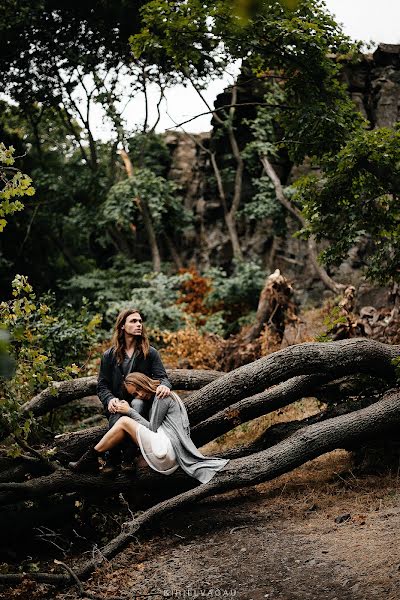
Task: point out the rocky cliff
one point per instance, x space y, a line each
374 85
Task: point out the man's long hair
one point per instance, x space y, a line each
141 345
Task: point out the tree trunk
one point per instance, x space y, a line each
336 359
176 257
228 217
331 359
380 418
63 392
151 235
329 283
264 403
148 224
274 302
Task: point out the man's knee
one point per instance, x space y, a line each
113 419
140 406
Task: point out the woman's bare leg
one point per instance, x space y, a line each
113 437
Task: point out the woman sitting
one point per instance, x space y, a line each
164 440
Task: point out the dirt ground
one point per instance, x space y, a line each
318 533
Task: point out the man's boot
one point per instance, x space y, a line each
88 462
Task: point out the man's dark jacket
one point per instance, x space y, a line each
110 382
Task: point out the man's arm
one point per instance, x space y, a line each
104 381
158 370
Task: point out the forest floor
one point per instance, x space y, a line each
320 532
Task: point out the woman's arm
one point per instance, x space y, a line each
160 409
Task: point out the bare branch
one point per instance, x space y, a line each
312 245
222 108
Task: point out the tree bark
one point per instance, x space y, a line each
176 257
63 392
334 359
255 406
229 220
345 357
380 418
71 445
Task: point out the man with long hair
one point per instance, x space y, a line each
130 351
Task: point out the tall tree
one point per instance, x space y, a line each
292 45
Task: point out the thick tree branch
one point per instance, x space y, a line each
345 357
255 406
63 392
312 246
146 216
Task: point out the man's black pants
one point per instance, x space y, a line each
127 448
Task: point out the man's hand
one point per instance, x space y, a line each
162 391
112 405
122 407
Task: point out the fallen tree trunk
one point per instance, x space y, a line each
336 359
63 392
280 431
219 390
260 404
146 480
308 443
71 445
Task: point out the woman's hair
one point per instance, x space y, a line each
118 340
142 381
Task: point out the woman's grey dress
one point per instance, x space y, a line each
170 413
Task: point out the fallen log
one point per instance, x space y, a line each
70 446
219 390
264 403
280 431
336 359
146 480
63 392
308 443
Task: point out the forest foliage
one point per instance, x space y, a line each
79 251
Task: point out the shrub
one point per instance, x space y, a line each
41 346
156 296
190 348
236 295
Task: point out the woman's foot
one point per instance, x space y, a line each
88 462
